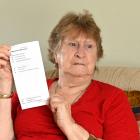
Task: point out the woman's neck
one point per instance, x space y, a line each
72 87
74 82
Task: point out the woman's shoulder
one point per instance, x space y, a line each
107 90
106 86
110 95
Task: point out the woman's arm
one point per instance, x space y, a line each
119 122
62 115
6 125
77 132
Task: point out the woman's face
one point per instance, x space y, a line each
77 55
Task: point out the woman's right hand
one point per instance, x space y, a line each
6 78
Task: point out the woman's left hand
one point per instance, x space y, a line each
62 111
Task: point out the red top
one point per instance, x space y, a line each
103 111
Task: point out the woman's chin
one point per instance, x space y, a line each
79 72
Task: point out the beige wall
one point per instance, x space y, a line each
28 20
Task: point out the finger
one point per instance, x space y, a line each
5 51
54 103
57 101
8 68
56 97
5 47
3 62
55 107
52 107
4 56
57 104
8 65
60 93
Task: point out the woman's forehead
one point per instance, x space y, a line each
74 34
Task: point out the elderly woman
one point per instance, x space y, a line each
80 108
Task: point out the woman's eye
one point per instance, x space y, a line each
89 46
72 44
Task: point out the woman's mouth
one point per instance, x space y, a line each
79 64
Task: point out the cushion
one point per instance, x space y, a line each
134 98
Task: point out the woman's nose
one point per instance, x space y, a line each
80 52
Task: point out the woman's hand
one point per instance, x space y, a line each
62 111
5 70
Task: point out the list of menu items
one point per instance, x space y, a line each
29 74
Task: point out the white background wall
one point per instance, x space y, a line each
119 20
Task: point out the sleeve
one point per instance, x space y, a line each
15 103
120 123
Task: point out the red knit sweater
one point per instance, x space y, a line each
103 111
